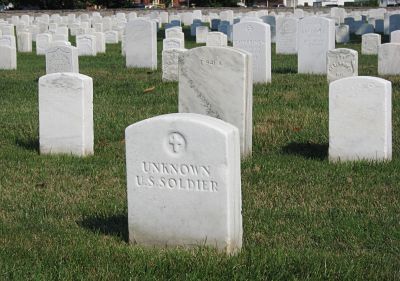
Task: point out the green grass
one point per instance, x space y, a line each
65 218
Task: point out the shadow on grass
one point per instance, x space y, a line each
284 70
116 225
28 144
307 150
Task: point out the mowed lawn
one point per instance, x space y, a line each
65 218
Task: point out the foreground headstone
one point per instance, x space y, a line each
360 119
8 57
170 64
217 81
141 44
255 38
183 181
389 59
341 63
316 38
66 114
62 59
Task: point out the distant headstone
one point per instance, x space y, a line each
201 34
173 43
183 182
360 119
370 43
316 38
111 37
389 59
286 35
66 114
141 44
211 76
86 45
62 59
43 41
341 63
395 36
24 42
170 63
8 57
255 38
394 22
342 34
270 20
216 39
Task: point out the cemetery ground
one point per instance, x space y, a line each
65 218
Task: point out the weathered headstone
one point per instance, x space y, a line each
360 119
141 44
370 43
62 59
216 39
86 45
342 34
341 63
66 114
183 182
316 38
211 76
255 38
170 64
8 57
389 59
286 35
173 43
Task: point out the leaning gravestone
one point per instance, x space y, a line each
341 63
217 81
360 119
286 35
66 114
62 59
170 64
255 38
141 44
316 37
389 59
370 43
183 182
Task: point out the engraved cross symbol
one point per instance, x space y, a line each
177 142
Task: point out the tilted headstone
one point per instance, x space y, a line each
141 44
209 77
255 38
286 35
389 59
170 64
62 59
183 182
316 38
66 114
341 63
370 43
360 119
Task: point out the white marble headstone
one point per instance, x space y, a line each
183 182
62 59
341 63
66 114
360 119
389 59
